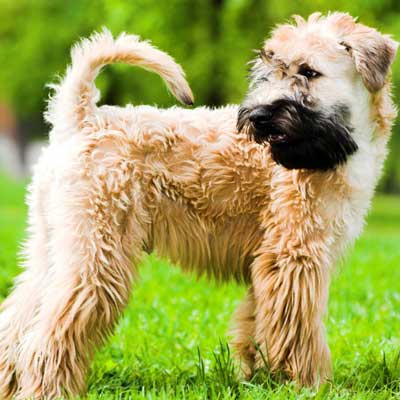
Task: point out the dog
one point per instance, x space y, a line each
270 193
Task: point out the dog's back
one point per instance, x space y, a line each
203 183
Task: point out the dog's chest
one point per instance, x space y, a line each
347 210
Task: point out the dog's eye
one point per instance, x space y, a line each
308 72
266 55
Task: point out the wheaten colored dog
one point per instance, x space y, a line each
273 203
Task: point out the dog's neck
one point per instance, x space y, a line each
373 132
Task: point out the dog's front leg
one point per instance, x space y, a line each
94 244
290 297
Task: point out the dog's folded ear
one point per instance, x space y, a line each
373 55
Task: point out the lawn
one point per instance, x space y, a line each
171 341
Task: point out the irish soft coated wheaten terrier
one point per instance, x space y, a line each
270 193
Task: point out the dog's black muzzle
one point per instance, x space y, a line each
265 121
301 137
260 117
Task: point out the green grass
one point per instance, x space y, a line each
171 342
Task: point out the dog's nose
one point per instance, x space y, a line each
260 117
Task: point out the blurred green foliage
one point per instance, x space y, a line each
212 39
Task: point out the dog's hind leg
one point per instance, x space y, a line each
243 331
16 313
19 308
97 236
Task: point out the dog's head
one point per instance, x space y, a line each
311 86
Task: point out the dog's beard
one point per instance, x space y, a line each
303 138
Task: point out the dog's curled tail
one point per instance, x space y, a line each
73 103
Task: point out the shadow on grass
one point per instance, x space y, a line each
221 379
374 374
